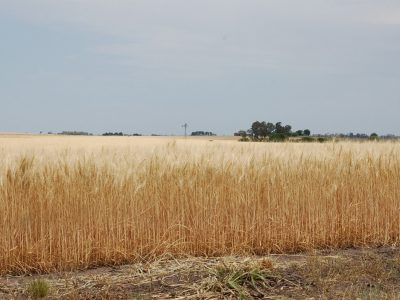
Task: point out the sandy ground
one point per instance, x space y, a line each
346 274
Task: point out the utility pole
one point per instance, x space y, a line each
185 126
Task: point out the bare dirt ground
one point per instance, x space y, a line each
347 274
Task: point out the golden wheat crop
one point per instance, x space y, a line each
73 202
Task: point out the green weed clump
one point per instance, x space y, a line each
38 288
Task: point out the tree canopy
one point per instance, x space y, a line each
260 131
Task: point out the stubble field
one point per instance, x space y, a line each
79 202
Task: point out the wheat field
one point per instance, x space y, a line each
78 202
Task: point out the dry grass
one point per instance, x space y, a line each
344 274
74 202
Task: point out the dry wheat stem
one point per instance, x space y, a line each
75 203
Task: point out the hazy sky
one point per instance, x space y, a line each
151 65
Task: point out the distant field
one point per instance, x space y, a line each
75 202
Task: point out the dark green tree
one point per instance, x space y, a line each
374 136
258 130
270 128
255 129
299 133
279 128
242 133
287 129
263 130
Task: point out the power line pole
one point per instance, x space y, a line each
185 126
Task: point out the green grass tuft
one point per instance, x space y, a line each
38 288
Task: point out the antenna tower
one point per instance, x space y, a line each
185 126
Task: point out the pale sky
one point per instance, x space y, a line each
149 66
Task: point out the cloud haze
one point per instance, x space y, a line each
149 66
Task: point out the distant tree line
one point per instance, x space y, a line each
120 134
202 133
389 137
113 134
359 136
267 131
74 133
